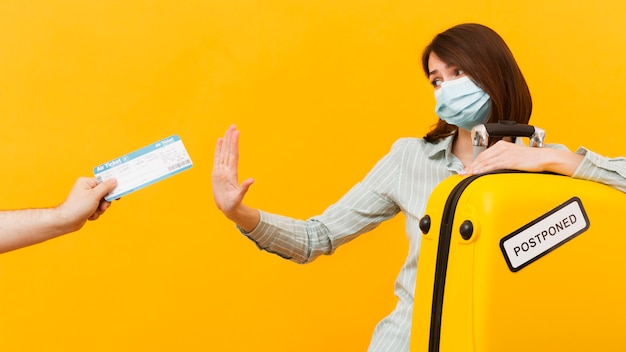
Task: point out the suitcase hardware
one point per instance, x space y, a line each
445 236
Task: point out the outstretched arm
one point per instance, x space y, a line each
21 228
227 191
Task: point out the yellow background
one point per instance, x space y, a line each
320 90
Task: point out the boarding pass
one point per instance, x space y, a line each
145 166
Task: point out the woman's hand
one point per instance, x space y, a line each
506 155
227 191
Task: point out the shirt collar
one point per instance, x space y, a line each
443 149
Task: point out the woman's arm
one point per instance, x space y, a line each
506 155
301 241
583 164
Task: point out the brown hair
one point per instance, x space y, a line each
484 56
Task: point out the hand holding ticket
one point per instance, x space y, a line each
145 166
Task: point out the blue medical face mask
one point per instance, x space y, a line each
462 103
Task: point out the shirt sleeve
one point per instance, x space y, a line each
598 168
363 208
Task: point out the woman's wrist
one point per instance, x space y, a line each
561 161
245 217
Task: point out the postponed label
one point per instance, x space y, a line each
544 234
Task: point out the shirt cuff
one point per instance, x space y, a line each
261 234
591 161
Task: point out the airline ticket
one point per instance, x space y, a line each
143 167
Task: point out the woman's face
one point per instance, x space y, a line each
439 71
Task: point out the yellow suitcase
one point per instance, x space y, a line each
521 262
512 261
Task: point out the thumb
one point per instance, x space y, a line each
245 185
105 187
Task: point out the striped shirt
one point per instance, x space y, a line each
400 182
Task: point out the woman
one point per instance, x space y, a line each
476 80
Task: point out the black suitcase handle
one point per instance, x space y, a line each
481 133
502 129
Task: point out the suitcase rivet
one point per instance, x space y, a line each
467 229
425 224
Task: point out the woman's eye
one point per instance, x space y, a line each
436 82
459 72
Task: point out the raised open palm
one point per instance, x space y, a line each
227 191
